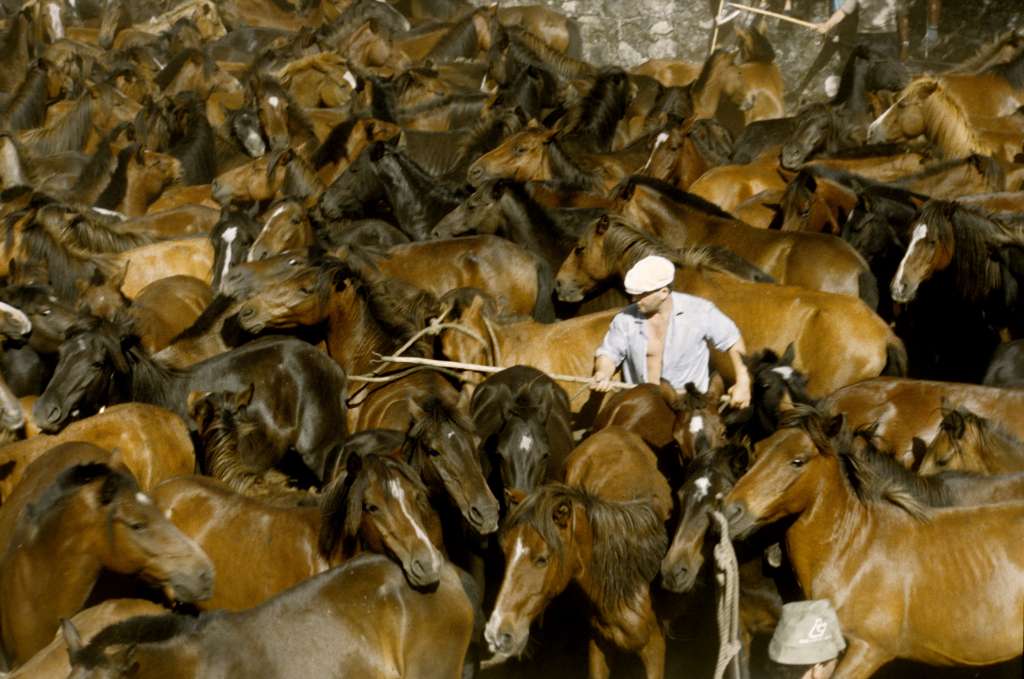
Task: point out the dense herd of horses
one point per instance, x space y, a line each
218 216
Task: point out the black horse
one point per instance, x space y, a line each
299 400
523 419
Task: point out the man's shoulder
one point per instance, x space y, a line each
682 302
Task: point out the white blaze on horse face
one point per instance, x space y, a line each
228 237
18 316
658 141
56 25
273 101
875 128
703 486
143 499
696 424
920 231
395 488
349 78
783 370
525 443
12 164
254 144
109 213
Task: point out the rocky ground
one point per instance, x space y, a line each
627 32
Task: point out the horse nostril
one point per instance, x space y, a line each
504 641
53 414
246 312
733 512
475 515
417 568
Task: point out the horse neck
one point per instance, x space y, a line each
706 94
951 131
151 382
826 529
354 335
38 597
409 192
137 192
998 450
530 224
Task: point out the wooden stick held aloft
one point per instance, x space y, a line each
775 15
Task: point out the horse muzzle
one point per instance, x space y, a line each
568 292
476 175
741 521
49 417
483 516
680 576
902 292
423 569
249 320
504 640
191 586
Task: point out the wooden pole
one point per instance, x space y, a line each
455 365
714 36
775 15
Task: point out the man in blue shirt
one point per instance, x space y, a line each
665 335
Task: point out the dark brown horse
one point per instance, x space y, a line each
605 532
803 471
87 518
393 629
523 420
100 364
969 442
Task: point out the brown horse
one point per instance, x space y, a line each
276 175
762 79
905 409
810 260
537 154
160 312
379 504
926 108
683 153
860 344
51 662
728 186
816 200
154 445
287 227
89 517
972 443
377 624
803 471
605 532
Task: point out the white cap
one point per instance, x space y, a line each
650 273
808 633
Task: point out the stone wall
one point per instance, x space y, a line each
628 32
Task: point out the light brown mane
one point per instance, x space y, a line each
625 245
946 124
628 539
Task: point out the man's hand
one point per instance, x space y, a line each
826 27
739 394
602 383
603 371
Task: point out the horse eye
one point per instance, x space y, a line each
433 453
798 462
519 150
370 508
137 525
540 561
578 250
942 462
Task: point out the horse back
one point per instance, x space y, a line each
616 465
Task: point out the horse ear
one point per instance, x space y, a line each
377 151
788 355
72 638
198 406
562 513
835 425
244 397
739 460
603 222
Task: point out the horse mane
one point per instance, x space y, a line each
708 68
755 47
992 435
69 482
486 134
194 146
950 127
869 481
989 168
400 308
972 234
533 213
96 236
624 246
867 151
434 188
27 106
341 506
568 173
300 179
333 147
461 105
1012 71
716 153
628 542
220 437
98 169
436 412
526 48
117 186
67 133
140 629
593 119
459 40
207 319
64 263
675 194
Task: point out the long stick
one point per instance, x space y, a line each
775 15
488 369
714 36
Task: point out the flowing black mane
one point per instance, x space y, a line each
69 482
989 168
64 265
624 246
592 121
138 630
460 40
566 171
27 106
628 538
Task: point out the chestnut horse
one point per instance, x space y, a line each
603 531
972 443
905 409
89 517
810 260
804 471
154 445
860 344
378 626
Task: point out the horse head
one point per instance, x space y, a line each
480 213
586 264
930 249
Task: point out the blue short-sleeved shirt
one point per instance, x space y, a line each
695 323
